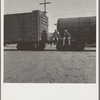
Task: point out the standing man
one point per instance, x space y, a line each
44 36
66 38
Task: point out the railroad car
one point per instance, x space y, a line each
27 30
82 30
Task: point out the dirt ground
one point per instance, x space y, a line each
49 66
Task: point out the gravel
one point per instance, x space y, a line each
49 66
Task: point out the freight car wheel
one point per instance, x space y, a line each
41 46
23 46
59 46
26 46
80 47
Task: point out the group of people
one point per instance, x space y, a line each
66 37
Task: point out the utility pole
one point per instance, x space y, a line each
45 3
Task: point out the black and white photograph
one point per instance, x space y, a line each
49 49
50 41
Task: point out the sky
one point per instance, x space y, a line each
57 9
